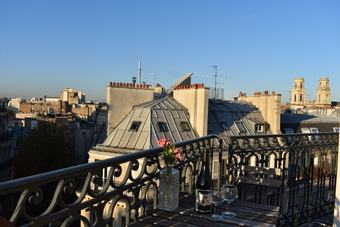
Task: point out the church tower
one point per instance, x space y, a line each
323 97
298 94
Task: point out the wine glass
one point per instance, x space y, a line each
217 199
229 195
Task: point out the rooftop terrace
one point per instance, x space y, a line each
294 173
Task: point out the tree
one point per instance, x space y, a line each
44 149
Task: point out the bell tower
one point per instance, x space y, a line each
298 94
323 98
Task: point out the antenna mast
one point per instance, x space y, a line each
215 76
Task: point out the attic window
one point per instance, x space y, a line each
185 126
259 128
314 130
135 126
240 126
289 131
305 130
163 127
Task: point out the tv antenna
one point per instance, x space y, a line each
215 75
153 78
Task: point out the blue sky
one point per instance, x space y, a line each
46 45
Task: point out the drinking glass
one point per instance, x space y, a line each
229 195
217 199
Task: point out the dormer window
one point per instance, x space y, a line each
163 127
259 128
314 130
135 126
185 126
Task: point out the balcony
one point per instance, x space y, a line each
295 173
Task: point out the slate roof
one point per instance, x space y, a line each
307 118
166 110
299 121
226 118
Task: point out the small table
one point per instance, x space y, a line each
248 214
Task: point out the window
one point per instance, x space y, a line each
240 127
336 129
314 130
289 131
300 98
294 98
185 126
163 127
305 130
135 126
259 128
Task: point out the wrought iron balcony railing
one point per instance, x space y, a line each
294 172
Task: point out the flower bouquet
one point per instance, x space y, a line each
169 177
170 152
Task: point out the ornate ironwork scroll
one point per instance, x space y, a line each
294 172
99 193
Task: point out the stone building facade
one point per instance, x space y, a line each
268 104
44 107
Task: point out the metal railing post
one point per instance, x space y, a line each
220 177
336 215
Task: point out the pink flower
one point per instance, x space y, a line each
162 142
179 156
177 150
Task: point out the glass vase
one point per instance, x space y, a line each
168 188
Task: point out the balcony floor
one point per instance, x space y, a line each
248 214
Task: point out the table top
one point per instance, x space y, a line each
248 214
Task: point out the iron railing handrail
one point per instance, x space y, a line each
298 150
52 176
283 135
46 177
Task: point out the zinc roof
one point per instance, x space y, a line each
165 110
230 118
